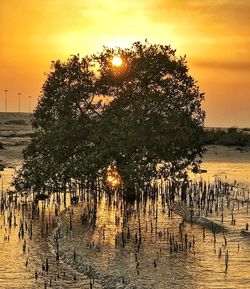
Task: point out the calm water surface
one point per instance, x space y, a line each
128 246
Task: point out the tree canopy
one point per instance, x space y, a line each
144 117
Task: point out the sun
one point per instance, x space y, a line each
117 61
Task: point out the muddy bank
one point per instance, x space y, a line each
215 153
15 134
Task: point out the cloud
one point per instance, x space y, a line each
209 16
224 65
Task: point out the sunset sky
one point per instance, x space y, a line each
214 34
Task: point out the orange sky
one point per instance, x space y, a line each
214 34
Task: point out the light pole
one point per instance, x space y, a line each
19 101
6 101
29 102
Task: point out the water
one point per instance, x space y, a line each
153 265
129 246
14 257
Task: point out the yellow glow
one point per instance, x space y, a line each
117 61
113 179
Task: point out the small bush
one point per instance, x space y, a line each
16 121
230 137
246 129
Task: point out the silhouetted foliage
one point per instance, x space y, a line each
148 120
155 116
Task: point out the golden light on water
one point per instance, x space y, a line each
116 61
113 178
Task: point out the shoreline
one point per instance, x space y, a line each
234 154
11 155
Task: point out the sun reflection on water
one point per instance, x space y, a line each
113 179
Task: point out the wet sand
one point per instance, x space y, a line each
227 154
